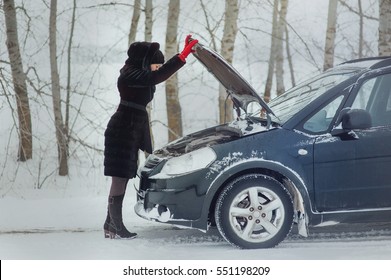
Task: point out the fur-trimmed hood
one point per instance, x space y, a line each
140 54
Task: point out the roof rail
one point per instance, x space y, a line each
385 61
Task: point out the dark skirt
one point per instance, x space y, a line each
127 132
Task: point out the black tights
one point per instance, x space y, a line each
118 186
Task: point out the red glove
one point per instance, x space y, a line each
188 39
189 44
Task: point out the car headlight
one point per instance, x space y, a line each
187 163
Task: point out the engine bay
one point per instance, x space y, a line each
212 136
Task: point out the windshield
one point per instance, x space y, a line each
295 99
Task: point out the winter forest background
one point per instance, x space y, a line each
59 61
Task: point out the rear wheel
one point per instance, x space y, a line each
254 211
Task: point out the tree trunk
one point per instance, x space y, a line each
56 92
148 38
25 151
361 32
174 114
330 35
227 51
134 23
384 28
148 20
272 55
289 57
69 62
280 47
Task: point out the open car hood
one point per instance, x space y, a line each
240 91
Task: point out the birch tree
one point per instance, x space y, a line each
148 38
56 92
174 113
69 64
276 56
134 22
280 47
227 51
289 57
384 28
19 82
148 20
330 35
361 30
270 70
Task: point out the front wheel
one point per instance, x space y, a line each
254 211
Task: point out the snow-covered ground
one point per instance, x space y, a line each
60 235
62 226
57 231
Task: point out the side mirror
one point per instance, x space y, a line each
356 119
351 119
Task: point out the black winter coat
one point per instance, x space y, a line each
128 129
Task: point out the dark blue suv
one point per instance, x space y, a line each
319 153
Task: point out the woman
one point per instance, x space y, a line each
128 129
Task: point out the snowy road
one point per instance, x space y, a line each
70 228
163 242
168 243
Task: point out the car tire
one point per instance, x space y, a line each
254 211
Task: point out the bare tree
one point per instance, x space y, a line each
19 81
56 93
384 28
148 38
174 113
69 63
362 13
227 51
330 35
276 56
289 57
148 20
209 28
281 26
134 22
361 32
270 71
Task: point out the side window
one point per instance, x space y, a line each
321 120
374 96
362 99
388 108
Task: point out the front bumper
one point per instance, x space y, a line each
176 200
157 213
